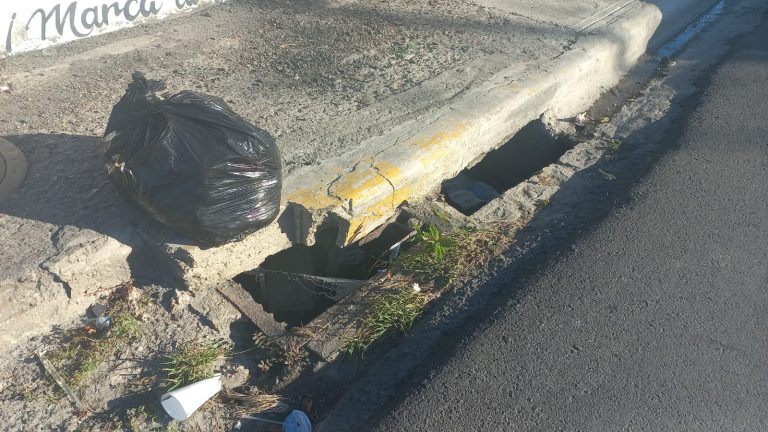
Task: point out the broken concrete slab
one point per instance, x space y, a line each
64 234
245 303
86 260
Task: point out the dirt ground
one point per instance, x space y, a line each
123 389
321 76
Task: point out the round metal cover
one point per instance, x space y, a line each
13 168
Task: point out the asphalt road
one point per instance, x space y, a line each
656 317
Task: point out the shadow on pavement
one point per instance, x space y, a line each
67 185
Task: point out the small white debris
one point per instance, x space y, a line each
607 175
5 88
581 119
416 288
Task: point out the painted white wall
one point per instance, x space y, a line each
32 24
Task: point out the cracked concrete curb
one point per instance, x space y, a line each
359 191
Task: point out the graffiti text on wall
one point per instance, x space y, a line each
81 21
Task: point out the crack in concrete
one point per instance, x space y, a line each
341 200
392 197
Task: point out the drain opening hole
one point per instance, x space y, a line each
528 152
299 283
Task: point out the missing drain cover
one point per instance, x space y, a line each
13 168
301 282
533 147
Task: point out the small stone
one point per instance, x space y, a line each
366 100
235 378
181 300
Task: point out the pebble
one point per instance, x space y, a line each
366 100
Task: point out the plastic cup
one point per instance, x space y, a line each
182 402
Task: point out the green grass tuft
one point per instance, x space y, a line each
434 256
192 362
85 349
391 313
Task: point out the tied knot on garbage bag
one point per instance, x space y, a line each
192 163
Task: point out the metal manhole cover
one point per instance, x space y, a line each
13 168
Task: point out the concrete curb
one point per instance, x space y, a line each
358 192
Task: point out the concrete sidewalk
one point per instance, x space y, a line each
371 105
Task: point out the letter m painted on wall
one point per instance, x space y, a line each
60 20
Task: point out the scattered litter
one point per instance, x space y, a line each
297 421
582 120
183 402
667 62
192 163
102 323
468 194
416 288
605 120
607 175
60 381
394 251
97 310
6 88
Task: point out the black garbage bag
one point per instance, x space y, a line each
192 163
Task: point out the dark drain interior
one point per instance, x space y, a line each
299 283
529 151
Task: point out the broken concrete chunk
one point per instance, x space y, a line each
181 300
254 311
234 378
87 260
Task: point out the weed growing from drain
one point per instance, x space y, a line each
389 314
449 256
427 259
86 348
434 256
192 362
290 354
615 145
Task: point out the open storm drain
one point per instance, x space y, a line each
299 283
13 168
533 148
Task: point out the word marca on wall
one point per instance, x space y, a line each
33 24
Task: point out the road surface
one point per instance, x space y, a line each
656 318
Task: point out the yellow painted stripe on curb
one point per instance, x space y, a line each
364 185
